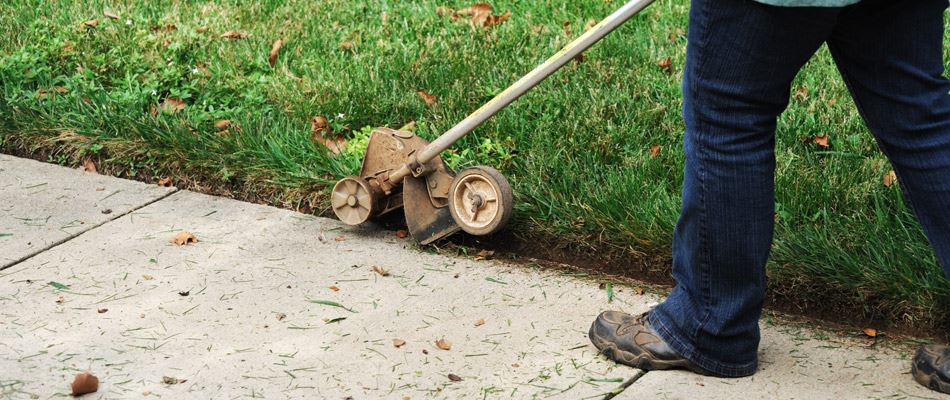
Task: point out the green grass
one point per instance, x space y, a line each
576 149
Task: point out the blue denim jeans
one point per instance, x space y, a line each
741 59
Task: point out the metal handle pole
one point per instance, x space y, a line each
526 83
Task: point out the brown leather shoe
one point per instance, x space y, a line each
931 367
629 340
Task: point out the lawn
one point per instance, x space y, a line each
593 153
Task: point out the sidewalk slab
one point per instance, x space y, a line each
232 315
798 363
42 204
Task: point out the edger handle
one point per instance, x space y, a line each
524 84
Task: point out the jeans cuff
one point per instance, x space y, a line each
687 350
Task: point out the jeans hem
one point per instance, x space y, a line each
685 349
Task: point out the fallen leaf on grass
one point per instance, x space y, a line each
102 310
402 234
478 15
275 51
92 23
183 238
222 125
397 343
89 166
480 322
170 105
871 332
84 383
347 45
822 141
455 378
427 97
234 35
379 270
666 65
890 179
109 14
484 255
443 344
334 288
166 182
322 134
164 28
655 150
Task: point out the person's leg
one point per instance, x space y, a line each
890 54
741 59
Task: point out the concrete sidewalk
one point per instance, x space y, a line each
271 303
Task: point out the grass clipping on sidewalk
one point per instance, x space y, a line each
277 98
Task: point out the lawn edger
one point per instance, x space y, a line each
402 170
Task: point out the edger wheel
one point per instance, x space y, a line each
480 200
354 201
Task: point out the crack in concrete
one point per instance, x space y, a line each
90 228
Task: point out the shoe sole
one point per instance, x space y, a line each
640 361
929 380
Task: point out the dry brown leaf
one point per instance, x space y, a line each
801 93
171 105
60 300
455 378
84 383
166 182
590 24
334 288
480 322
275 51
515 365
666 65
484 255
234 35
222 125
638 291
890 179
379 270
443 344
109 14
478 15
183 238
201 29
92 23
322 134
89 166
165 28
340 238
402 234
655 150
100 189
346 45
822 141
397 343
428 98
871 332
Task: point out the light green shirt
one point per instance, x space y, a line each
809 3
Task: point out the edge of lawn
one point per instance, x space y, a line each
521 243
